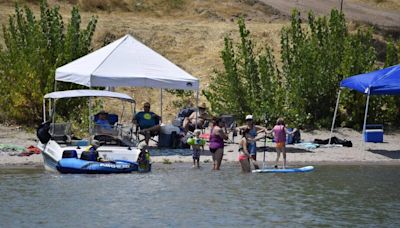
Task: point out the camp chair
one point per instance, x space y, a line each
61 132
138 133
113 120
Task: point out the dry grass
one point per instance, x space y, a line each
384 4
191 37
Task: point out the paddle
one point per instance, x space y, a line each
254 163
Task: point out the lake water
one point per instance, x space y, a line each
177 196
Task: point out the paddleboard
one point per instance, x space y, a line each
291 170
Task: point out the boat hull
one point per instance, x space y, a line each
52 153
78 166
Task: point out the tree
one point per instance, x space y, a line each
245 86
34 48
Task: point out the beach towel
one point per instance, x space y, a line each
307 145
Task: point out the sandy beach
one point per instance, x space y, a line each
384 153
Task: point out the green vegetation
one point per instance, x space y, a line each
248 81
34 48
316 56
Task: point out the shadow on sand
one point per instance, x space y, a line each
394 154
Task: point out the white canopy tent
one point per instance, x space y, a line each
87 93
127 62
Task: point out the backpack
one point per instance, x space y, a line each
42 132
186 112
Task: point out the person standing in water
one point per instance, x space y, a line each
254 130
217 137
280 132
244 155
197 145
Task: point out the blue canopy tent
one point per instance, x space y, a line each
380 82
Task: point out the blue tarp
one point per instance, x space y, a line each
384 81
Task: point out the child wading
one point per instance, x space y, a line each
280 132
197 146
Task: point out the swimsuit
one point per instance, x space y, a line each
216 142
243 156
252 146
196 153
279 136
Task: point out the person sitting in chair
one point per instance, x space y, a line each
149 122
189 123
103 126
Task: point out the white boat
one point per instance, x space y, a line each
56 140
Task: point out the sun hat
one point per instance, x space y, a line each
202 105
249 117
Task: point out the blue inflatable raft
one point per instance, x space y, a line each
291 170
75 165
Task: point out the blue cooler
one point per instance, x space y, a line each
373 133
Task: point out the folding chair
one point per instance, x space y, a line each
112 120
61 132
138 133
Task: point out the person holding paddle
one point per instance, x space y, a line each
254 130
244 155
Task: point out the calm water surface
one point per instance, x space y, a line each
178 196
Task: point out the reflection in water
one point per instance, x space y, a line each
175 195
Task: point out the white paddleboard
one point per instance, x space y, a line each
290 170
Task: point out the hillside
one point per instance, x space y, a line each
191 37
189 33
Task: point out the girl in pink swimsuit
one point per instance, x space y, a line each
244 151
280 132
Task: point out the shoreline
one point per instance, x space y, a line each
207 161
39 166
386 153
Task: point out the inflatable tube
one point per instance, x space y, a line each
75 165
194 141
292 170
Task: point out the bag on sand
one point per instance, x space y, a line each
42 132
334 140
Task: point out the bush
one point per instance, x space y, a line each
315 57
34 48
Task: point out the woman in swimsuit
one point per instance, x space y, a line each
217 136
254 130
244 155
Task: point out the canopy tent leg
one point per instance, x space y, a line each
197 106
161 103
44 110
90 116
365 123
334 116
53 114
